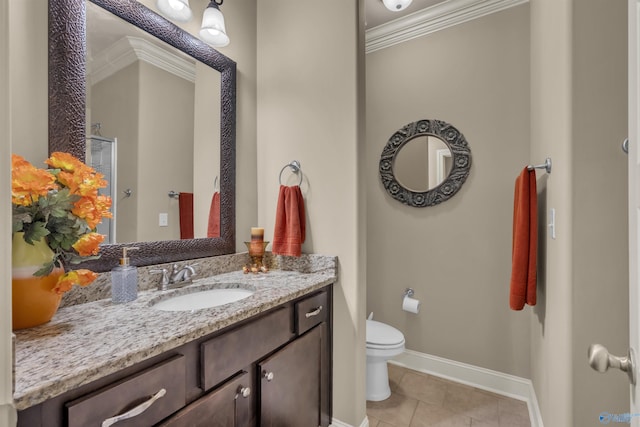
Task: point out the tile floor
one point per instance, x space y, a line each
420 400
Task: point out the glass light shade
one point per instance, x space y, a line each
396 5
213 31
178 10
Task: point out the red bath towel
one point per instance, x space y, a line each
289 232
185 203
213 228
525 241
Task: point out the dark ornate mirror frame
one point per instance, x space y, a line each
67 127
446 189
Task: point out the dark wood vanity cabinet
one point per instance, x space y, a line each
273 369
290 384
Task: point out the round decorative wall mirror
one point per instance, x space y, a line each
425 163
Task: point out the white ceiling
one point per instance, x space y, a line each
376 13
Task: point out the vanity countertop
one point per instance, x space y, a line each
89 341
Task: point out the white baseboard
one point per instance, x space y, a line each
338 423
482 378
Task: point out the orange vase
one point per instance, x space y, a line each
33 300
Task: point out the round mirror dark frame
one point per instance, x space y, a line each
461 164
67 92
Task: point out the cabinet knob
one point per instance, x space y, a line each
267 375
244 391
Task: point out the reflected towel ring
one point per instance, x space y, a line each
295 167
215 184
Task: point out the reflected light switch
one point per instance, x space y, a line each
163 219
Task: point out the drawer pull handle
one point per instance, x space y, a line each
313 312
267 375
135 411
244 391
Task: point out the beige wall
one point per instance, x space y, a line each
29 91
121 89
551 136
579 98
309 109
163 148
206 155
600 255
7 412
456 255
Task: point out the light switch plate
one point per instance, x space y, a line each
163 219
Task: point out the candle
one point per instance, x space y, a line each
257 234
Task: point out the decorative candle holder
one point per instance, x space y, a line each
256 250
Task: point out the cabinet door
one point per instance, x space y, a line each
230 405
290 384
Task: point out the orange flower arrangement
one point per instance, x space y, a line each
62 206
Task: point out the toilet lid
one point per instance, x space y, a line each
379 333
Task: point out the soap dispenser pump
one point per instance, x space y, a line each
124 280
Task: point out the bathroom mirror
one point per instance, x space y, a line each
425 163
67 115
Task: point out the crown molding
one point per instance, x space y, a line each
128 50
432 19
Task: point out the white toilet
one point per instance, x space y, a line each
383 343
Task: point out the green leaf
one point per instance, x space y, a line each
35 232
77 259
45 270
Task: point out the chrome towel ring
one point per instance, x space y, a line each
295 168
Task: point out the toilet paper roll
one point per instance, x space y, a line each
411 305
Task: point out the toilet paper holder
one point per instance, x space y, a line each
408 293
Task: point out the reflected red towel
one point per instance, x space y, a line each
185 203
213 228
525 241
289 232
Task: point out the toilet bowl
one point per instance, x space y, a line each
383 343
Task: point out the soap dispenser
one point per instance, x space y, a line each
124 280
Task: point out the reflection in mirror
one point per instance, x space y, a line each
149 135
425 163
422 163
68 125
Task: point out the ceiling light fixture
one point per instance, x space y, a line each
177 10
213 30
396 5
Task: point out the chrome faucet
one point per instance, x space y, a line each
184 274
179 276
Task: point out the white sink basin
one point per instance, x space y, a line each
202 299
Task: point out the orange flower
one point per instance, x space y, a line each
80 277
29 183
89 244
84 181
103 204
64 161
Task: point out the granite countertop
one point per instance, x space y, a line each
89 341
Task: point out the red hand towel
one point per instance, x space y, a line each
213 228
525 241
185 204
289 232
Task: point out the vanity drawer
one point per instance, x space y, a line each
311 311
227 354
133 392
